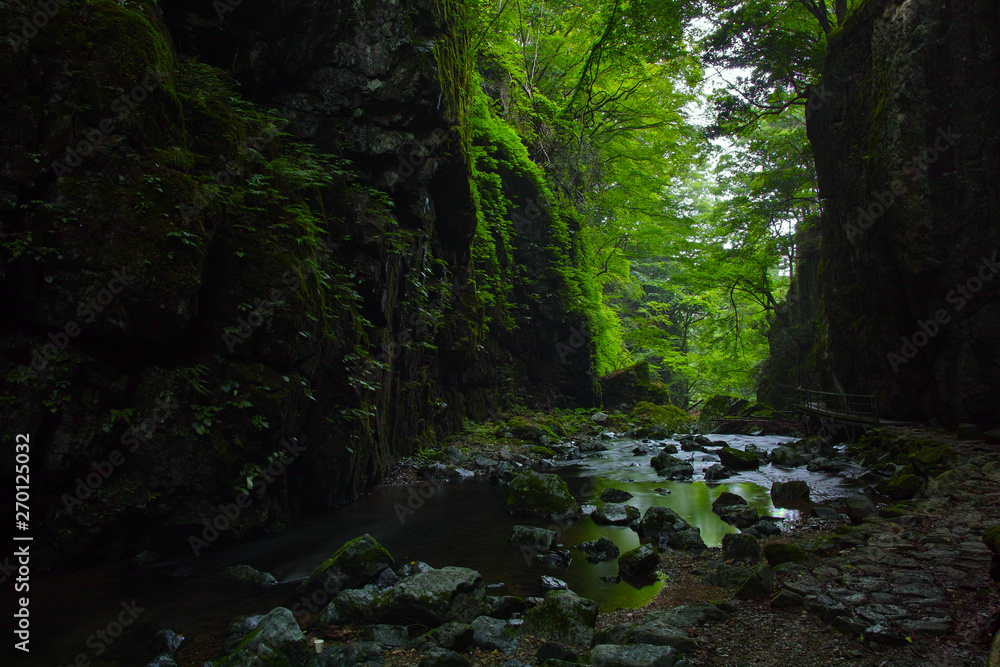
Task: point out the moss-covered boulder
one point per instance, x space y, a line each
779 553
563 616
659 525
542 495
793 491
760 583
903 486
736 459
277 640
355 564
435 597
615 514
639 561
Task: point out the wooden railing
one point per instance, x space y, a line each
858 408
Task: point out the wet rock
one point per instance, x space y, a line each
412 568
672 467
778 554
162 660
504 606
639 561
787 457
555 651
738 460
552 584
592 446
387 578
361 654
563 616
532 538
435 597
694 614
760 583
355 564
354 605
389 636
438 472
450 635
740 548
793 491
612 495
611 655
239 628
717 472
600 418
823 464
691 446
659 524
247 574
662 491
168 641
727 499
492 634
703 441
611 580
442 657
825 513
740 516
688 540
599 550
557 558
764 528
277 634
542 495
615 514
859 507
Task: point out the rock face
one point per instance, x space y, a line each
197 302
897 292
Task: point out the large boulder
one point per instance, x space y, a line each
276 639
740 516
639 561
543 495
688 540
562 616
789 492
659 524
738 460
532 538
613 495
615 514
635 655
787 457
599 550
355 564
738 548
435 597
727 499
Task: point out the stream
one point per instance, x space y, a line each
461 523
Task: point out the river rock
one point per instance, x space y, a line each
556 558
435 597
792 491
727 499
504 606
736 459
717 472
787 457
162 660
778 554
671 467
688 539
563 616
639 561
823 464
389 636
659 524
442 657
412 568
238 628
493 634
636 655
555 651
615 514
354 605
532 538
740 548
688 615
247 574
612 495
360 654
552 584
859 507
599 550
355 564
704 442
168 641
739 516
450 635
760 583
763 528
277 634
543 495
600 418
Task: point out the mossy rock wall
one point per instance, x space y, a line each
257 284
905 137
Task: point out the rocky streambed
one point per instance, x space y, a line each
889 567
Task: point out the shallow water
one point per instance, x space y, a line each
462 523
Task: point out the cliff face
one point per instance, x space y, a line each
202 299
907 142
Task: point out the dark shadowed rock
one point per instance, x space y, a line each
639 561
738 460
727 499
612 495
740 548
659 524
615 514
795 490
599 550
563 616
541 494
355 564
